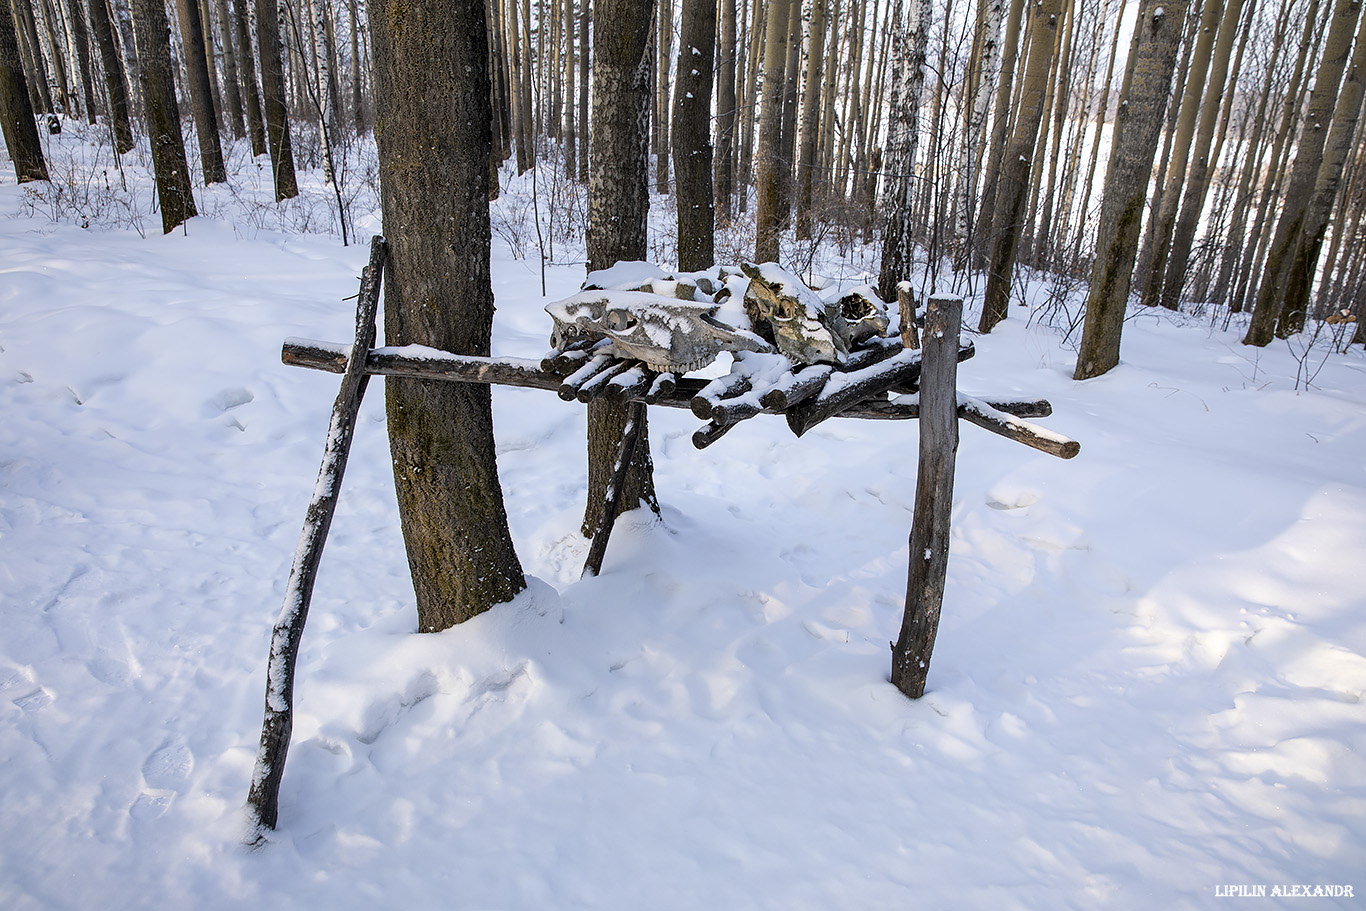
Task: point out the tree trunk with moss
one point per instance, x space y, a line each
1138 124
433 126
618 203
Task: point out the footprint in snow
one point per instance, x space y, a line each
169 767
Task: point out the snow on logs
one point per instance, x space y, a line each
758 383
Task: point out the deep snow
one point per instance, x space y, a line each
1147 683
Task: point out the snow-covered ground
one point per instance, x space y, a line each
1147 685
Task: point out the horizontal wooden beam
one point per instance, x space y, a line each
418 362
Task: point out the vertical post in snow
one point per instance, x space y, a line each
933 495
263 798
630 434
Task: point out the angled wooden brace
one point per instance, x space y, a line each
263 798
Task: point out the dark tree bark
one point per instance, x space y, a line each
769 168
692 136
1138 123
27 28
618 203
1290 227
433 125
246 70
274 97
80 37
725 112
163 116
16 109
1300 279
201 91
115 79
1000 125
1013 191
231 80
810 128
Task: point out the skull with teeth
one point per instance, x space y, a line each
667 334
805 328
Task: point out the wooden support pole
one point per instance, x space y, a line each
263 798
929 549
629 436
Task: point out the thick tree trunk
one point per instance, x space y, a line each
618 204
1290 227
26 27
769 168
692 151
1012 193
201 91
163 116
433 126
16 109
1138 123
274 98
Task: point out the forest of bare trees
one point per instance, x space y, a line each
972 143
1202 157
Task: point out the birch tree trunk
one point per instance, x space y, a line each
987 57
664 38
80 39
903 134
230 76
433 128
246 71
810 123
1000 124
1138 123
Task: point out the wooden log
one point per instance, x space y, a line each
570 385
907 408
634 383
1003 422
570 357
929 545
716 391
629 436
597 386
663 386
798 387
910 335
709 433
264 796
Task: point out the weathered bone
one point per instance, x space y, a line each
801 325
668 335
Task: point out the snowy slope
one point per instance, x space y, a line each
1147 683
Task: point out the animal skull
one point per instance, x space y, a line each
805 328
667 334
